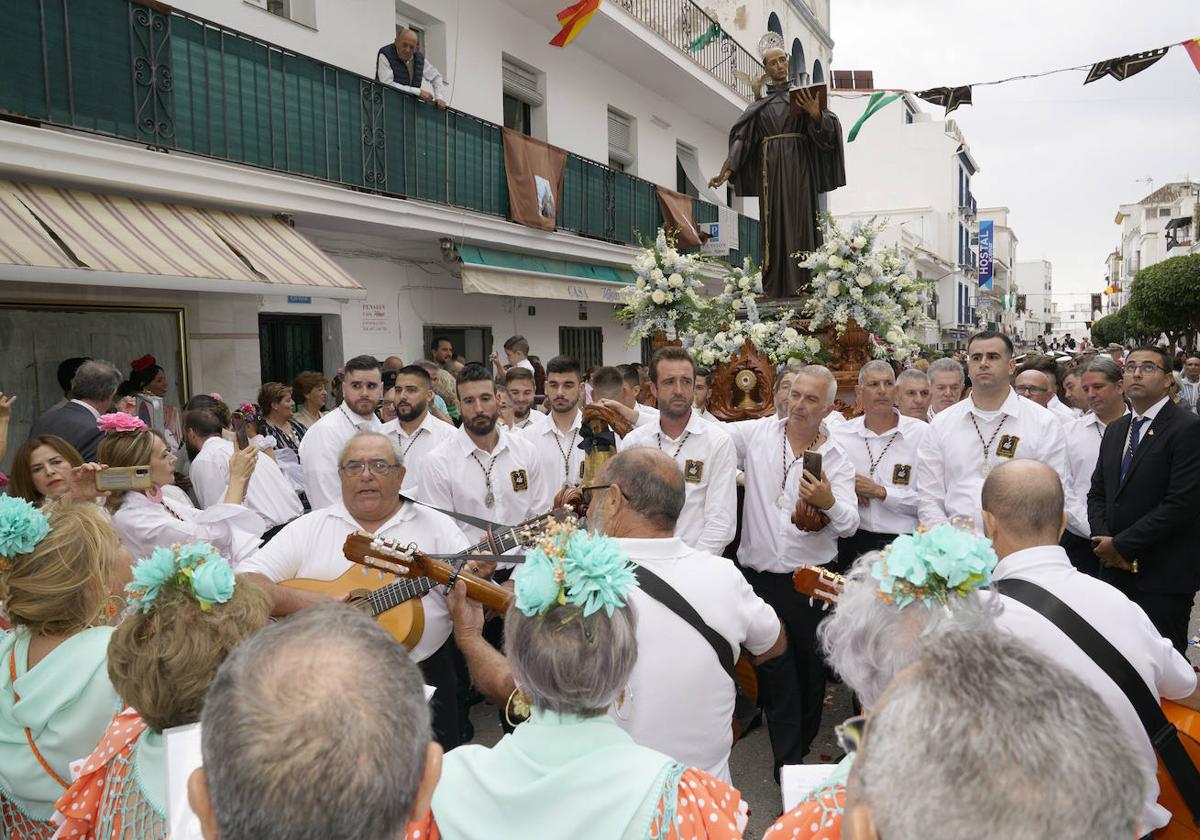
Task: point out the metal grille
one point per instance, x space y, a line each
584 344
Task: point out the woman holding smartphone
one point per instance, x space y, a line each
147 518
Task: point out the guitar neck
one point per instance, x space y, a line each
505 540
397 592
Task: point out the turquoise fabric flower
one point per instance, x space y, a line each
537 586
194 554
212 581
22 526
930 565
597 573
150 575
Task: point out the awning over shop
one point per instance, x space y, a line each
489 272
58 235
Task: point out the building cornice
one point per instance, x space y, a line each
811 21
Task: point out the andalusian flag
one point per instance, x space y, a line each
1193 51
573 19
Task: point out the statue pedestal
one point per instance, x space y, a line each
744 387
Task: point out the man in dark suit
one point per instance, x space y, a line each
1145 497
92 390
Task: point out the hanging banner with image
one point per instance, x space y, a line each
535 178
986 240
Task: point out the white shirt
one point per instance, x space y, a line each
950 457
1166 672
834 419
895 456
528 365
415 447
646 415
311 547
319 451
1063 411
1150 414
429 74
707 456
680 699
770 542
705 414
534 420
143 524
1083 436
452 477
269 493
560 460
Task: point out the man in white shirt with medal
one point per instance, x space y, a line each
362 389
882 445
556 443
970 438
480 470
415 429
1103 386
779 494
703 450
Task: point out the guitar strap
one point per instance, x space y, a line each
1162 733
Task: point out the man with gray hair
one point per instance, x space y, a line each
1023 515
945 384
913 395
315 728
953 751
372 473
92 390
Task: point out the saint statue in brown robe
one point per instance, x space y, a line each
785 159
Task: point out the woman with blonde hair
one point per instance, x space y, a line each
189 613
60 570
145 519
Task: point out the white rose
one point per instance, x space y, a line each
859 241
707 358
676 281
790 334
835 261
856 293
659 297
656 274
863 280
834 289
641 284
903 281
813 344
894 337
719 337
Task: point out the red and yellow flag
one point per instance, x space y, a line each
573 19
1193 51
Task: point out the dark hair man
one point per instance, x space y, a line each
557 441
415 429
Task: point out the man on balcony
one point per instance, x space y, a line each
402 66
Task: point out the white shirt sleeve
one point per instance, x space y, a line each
280 559
843 516
321 482
762 624
384 72
720 500
434 78
210 480
931 480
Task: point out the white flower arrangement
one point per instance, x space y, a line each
851 279
668 294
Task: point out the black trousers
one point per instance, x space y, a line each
1080 553
1169 612
439 672
791 687
859 543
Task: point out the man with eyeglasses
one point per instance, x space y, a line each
371 472
1145 495
362 388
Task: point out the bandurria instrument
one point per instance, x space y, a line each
819 584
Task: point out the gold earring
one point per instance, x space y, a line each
626 694
518 701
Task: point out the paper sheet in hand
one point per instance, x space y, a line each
820 91
183 756
795 780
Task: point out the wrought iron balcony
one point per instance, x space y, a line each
180 83
698 35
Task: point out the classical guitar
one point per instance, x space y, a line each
819 584
392 597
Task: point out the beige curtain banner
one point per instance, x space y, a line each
535 179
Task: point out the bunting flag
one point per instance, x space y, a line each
875 104
573 19
1193 51
706 37
1125 66
948 97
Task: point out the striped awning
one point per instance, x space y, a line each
55 234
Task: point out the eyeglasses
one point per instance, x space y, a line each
1030 389
587 490
377 467
849 733
1147 368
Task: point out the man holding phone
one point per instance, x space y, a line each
800 498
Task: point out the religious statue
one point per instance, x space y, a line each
785 149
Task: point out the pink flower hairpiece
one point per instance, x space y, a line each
216 396
121 422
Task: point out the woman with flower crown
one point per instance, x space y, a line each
60 569
569 770
894 601
146 519
188 614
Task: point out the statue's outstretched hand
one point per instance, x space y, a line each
724 175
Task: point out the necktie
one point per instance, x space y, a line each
1135 434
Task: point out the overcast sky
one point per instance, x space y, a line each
1062 157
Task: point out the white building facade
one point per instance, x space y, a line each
1160 226
1035 283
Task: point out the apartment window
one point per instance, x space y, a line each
522 95
773 24
299 11
796 67
620 141
909 114
1164 211
818 75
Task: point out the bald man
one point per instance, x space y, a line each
1023 515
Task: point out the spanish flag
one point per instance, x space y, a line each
1193 51
573 19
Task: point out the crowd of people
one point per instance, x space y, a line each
957 510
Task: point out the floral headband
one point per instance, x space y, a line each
196 568
934 564
119 421
22 527
569 566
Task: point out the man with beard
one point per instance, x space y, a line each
522 392
362 388
703 450
480 470
557 443
415 429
